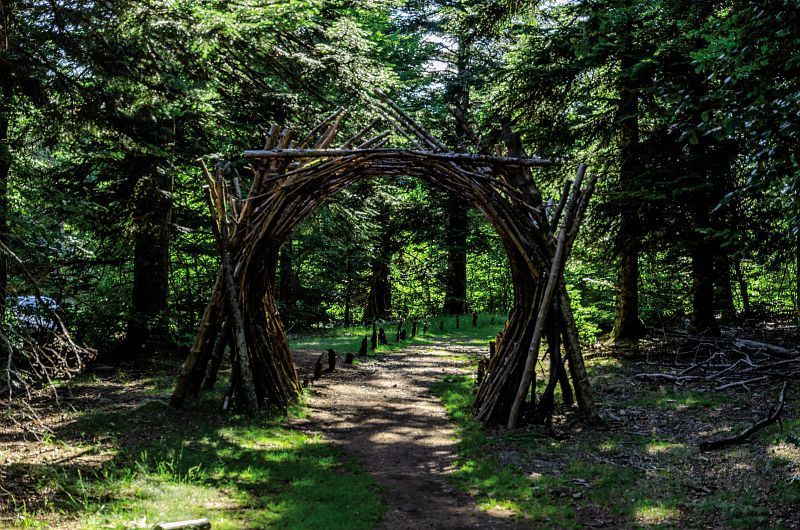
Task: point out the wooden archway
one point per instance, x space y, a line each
291 178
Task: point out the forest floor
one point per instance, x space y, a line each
641 469
390 442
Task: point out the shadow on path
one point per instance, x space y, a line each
383 413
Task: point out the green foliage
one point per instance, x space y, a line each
110 93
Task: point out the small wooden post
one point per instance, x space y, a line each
318 367
331 360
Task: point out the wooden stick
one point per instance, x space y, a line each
560 208
330 134
464 124
772 417
416 128
553 279
319 127
391 151
242 355
360 134
272 136
399 128
374 141
742 383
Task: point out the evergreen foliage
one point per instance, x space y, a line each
690 111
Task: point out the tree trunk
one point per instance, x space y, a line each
724 289
627 325
151 220
743 292
5 147
703 320
288 285
5 167
455 296
348 294
379 301
702 249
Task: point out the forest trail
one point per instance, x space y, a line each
382 412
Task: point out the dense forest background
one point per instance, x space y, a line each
690 111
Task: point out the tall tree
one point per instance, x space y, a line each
6 14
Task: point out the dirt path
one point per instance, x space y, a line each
383 413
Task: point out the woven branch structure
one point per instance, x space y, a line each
294 176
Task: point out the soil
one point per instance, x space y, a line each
383 413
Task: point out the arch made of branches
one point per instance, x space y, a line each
291 178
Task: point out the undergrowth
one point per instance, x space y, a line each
152 464
633 479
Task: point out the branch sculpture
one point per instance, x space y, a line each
291 178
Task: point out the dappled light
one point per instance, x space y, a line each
399 264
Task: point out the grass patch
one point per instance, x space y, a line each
154 464
667 398
481 472
349 339
740 510
567 483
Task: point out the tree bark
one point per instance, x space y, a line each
151 220
288 285
379 300
703 319
348 294
5 147
702 252
455 296
743 292
5 167
627 325
723 284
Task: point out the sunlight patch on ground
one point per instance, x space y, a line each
608 446
147 501
650 514
786 455
661 448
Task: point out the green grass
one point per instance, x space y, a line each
349 339
740 510
588 474
480 471
668 398
152 464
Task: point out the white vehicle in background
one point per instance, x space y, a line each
34 313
